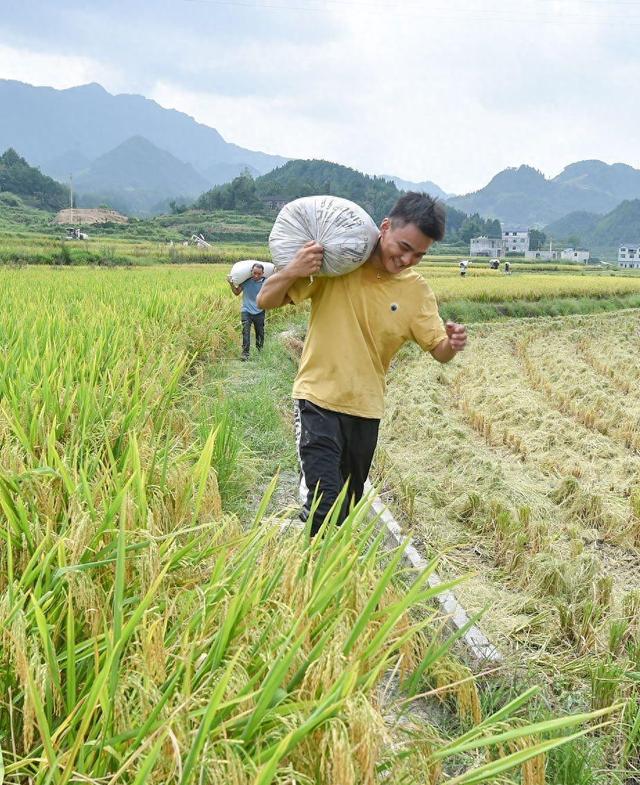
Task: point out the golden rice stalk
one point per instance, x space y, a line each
452 680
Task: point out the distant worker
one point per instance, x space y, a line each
464 264
250 313
507 268
495 264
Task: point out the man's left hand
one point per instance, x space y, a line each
457 335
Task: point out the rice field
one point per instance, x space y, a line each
520 463
489 286
114 251
155 629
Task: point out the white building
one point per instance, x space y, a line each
573 255
543 255
629 256
515 240
486 246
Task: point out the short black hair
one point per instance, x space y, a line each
427 213
257 264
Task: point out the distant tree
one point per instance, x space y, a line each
304 178
243 194
472 226
537 239
573 241
455 219
28 182
493 229
240 194
177 207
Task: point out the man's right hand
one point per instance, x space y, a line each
307 261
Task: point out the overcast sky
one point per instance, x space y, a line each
447 90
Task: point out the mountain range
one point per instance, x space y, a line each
524 197
65 132
426 185
128 151
137 175
599 233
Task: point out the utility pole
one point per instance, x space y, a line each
71 196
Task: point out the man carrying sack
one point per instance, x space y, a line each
250 313
358 322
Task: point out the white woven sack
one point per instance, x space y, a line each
241 271
347 233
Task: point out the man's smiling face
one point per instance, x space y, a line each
402 245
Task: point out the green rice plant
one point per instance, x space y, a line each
630 757
226 457
606 682
577 763
581 619
232 686
619 631
633 653
568 489
510 537
513 737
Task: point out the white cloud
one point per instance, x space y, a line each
55 70
272 125
447 90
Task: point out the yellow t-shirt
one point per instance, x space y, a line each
358 322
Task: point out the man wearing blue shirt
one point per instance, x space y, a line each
250 313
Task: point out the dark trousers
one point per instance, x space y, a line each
333 448
257 320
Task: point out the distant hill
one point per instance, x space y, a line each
425 186
305 178
523 196
579 224
36 189
136 175
85 122
601 233
619 180
17 215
